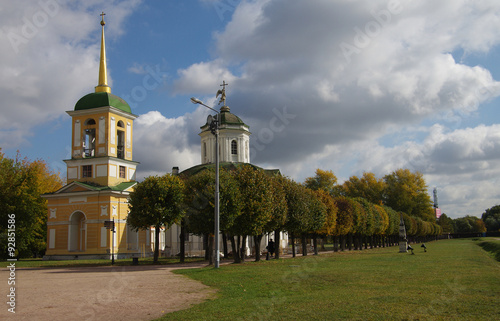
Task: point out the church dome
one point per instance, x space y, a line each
228 118
102 99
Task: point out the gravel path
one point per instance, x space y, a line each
100 293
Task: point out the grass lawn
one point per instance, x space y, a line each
454 280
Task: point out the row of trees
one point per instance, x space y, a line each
490 222
21 184
253 203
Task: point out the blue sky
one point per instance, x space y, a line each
354 86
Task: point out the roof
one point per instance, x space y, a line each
228 118
89 187
102 99
226 165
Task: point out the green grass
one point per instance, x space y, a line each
454 280
492 246
39 263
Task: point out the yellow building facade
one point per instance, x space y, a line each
87 217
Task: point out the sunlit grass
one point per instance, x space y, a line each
453 280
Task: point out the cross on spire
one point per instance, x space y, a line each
222 93
224 85
102 18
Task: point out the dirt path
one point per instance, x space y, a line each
100 293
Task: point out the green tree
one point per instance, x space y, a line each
469 224
257 205
328 227
345 221
200 204
157 201
315 218
22 182
344 216
324 180
407 192
446 223
297 210
367 187
280 210
491 219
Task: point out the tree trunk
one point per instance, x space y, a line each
277 243
157 244
349 237
234 247
315 243
342 243
293 244
224 244
336 243
182 237
257 239
205 245
304 244
211 239
243 246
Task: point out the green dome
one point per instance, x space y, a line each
228 118
102 99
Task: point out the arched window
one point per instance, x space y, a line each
89 138
120 146
120 124
234 148
89 122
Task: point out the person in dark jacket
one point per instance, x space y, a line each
270 247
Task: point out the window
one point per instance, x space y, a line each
122 172
120 124
87 171
234 148
89 138
121 145
89 122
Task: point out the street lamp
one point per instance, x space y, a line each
214 128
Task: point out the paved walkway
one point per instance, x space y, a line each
143 292
100 293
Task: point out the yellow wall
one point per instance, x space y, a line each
90 206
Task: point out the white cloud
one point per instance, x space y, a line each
290 54
200 77
161 143
37 86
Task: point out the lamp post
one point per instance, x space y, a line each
214 128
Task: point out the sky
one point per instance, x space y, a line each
342 85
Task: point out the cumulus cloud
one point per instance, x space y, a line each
37 86
161 143
352 73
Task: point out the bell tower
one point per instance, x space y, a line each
87 218
102 128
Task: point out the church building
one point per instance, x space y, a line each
234 150
87 217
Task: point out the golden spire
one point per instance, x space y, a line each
103 76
